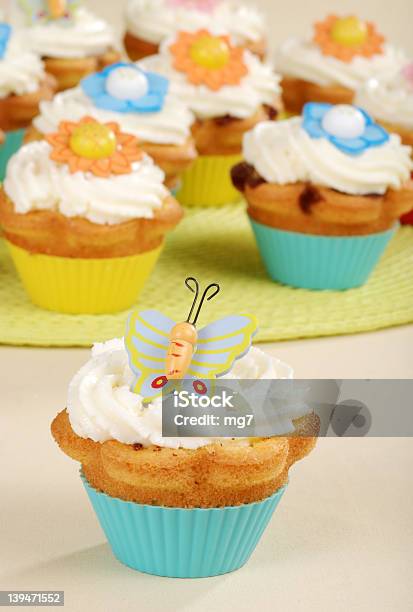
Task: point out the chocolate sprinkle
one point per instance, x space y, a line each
271 112
137 446
308 197
224 120
244 174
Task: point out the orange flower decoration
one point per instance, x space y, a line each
347 37
90 146
208 60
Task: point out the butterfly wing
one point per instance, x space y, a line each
147 341
220 344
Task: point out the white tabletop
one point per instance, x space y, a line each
341 538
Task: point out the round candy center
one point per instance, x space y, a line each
344 121
93 141
210 52
349 31
127 83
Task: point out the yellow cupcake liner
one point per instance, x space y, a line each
208 181
83 286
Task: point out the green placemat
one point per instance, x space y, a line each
217 245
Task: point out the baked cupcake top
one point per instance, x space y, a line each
139 101
390 100
213 76
77 33
155 20
101 405
341 51
21 70
339 147
86 169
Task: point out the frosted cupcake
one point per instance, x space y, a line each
23 85
390 102
178 507
229 91
85 214
331 63
324 192
149 22
72 41
142 105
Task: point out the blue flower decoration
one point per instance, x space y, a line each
363 131
5 33
95 87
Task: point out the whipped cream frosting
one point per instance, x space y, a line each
171 125
102 407
259 86
303 59
155 20
390 101
35 182
21 70
86 35
282 152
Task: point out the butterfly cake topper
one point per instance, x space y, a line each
49 10
161 349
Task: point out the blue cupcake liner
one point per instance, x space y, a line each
319 262
12 143
182 542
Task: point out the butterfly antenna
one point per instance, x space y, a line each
216 289
194 290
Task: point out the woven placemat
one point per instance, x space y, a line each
217 245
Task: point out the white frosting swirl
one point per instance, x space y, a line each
155 20
172 125
259 86
86 35
35 182
303 59
282 152
102 407
21 70
390 101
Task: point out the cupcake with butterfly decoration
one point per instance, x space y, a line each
71 40
179 506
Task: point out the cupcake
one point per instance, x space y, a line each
149 22
329 65
390 102
85 213
72 41
175 506
142 105
324 192
229 91
23 85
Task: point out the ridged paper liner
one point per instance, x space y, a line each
87 286
208 181
12 143
180 542
319 262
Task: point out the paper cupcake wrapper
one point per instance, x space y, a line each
181 542
12 143
208 181
319 262
83 286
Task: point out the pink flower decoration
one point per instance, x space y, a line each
206 6
407 72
